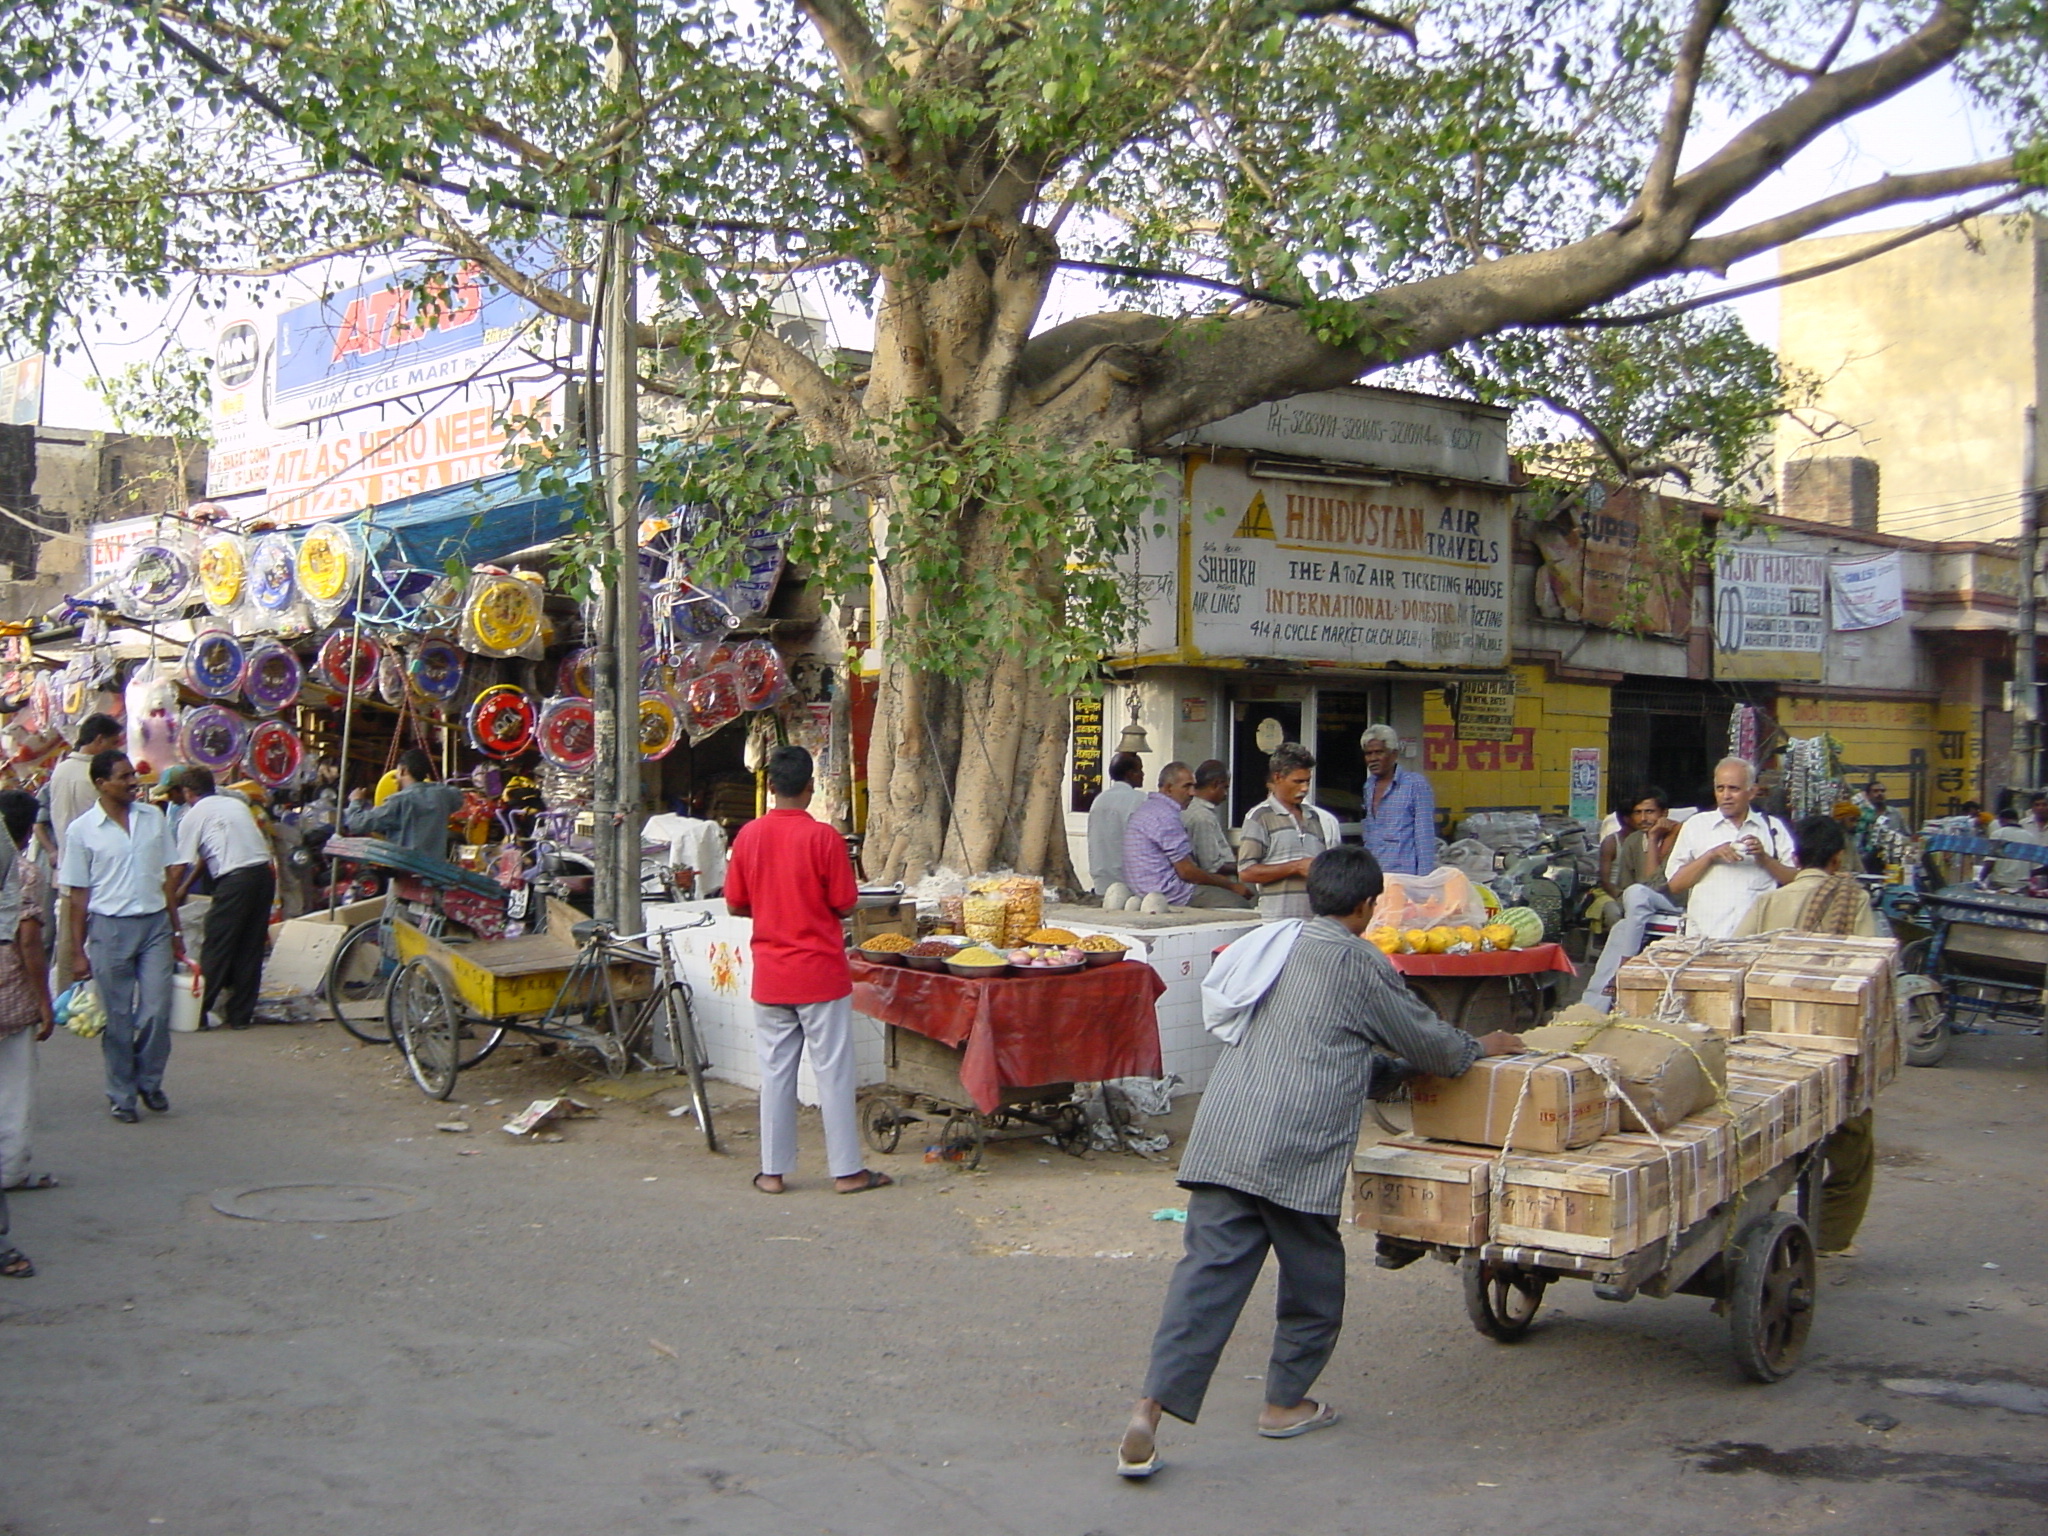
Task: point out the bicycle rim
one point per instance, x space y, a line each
357 985
682 1039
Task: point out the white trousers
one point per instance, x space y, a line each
17 1103
782 1033
1625 940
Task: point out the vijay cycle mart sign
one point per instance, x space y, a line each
1346 574
1770 614
417 330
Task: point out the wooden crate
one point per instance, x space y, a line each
1430 1192
1803 992
1710 985
1603 1202
1702 1163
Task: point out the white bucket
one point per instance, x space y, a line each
185 992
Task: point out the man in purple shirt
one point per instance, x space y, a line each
1159 856
1399 808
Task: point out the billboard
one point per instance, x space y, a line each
21 392
1770 613
414 331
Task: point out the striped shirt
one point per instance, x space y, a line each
1280 1116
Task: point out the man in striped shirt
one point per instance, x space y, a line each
1267 1156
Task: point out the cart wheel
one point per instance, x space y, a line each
1070 1130
965 1135
1772 1296
358 977
1926 1030
1500 1299
881 1125
428 1025
475 1040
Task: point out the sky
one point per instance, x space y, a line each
1928 127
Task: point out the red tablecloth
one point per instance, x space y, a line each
1024 1031
1488 962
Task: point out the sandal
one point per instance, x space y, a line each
39 1181
14 1265
869 1179
784 1183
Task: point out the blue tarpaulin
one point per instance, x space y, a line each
475 523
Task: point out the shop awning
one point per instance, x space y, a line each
474 524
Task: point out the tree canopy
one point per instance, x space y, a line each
1528 199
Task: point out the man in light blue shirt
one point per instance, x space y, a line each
1399 809
123 935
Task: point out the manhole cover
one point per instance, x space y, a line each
319 1202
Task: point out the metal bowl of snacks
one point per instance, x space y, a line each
1050 968
932 954
875 956
978 964
1095 947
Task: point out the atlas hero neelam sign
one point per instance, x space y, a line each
415 331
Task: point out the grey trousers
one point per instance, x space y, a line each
1625 940
1228 1234
17 1103
131 967
782 1033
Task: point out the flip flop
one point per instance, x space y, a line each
40 1181
1137 1471
765 1189
1322 1418
869 1180
14 1265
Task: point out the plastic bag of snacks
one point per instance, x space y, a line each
1022 899
984 918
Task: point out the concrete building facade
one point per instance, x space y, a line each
1927 358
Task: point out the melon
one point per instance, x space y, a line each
1527 925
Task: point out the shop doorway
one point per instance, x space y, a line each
1669 734
1340 762
1257 726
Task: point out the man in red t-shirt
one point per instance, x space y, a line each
790 873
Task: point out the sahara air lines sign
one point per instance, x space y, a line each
1342 573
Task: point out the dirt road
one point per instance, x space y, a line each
614 1333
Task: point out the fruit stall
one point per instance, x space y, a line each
1478 966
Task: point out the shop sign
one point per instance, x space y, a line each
1484 709
108 544
1384 428
1352 574
355 462
1770 618
1085 781
1608 562
414 331
1868 593
21 392
1585 785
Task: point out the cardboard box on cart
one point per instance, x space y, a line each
1551 1106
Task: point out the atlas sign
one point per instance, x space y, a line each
417 331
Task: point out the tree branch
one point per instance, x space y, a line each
285 266
1678 106
1786 279
1716 253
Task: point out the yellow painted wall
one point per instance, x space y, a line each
1881 732
1551 718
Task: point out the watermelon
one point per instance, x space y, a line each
1528 925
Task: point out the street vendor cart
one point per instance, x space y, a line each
1986 949
1486 990
998 1059
453 984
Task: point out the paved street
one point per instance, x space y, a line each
613 1333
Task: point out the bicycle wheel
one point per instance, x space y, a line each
681 1024
428 1024
358 977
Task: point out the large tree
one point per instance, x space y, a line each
1269 196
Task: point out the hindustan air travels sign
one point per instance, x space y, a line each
1361 575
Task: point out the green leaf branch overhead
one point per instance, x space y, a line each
1228 201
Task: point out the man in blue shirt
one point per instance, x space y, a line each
1399 810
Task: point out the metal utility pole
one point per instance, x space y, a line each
2026 696
616 672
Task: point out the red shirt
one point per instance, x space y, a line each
792 872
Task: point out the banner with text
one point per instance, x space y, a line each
1770 613
1361 575
1868 593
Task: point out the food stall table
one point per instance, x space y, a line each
1004 1051
1488 990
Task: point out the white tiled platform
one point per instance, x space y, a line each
716 962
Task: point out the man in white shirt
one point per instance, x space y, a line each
221 831
1723 862
67 796
122 934
1122 792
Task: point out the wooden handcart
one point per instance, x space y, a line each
924 1085
1752 1259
